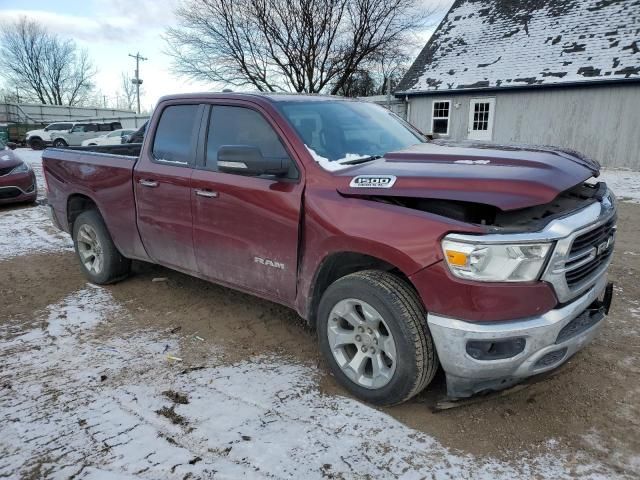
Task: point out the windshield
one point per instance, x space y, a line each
338 131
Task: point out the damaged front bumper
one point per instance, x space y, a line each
478 357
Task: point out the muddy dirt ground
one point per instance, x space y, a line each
589 409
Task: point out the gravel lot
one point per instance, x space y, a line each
183 379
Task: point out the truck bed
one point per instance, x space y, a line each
125 149
101 175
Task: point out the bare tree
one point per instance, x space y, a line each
381 72
128 92
44 66
290 45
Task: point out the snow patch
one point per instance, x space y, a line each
333 165
26 230
29 230
505 44
473 162
624 183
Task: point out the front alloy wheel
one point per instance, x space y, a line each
361 343
372 330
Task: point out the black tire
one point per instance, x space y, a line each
403 313
60 143
114 266
36 144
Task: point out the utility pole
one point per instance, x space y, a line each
389 92
137 81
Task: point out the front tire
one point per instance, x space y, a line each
59 143
99 258
372 330
36 144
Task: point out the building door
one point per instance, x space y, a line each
481 112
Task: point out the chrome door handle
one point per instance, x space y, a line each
148 183
206 193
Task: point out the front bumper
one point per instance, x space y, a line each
545 347
18 188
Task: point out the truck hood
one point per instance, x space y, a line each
508 177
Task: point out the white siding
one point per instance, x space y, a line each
602 122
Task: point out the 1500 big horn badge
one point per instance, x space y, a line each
373 181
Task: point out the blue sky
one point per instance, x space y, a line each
111 29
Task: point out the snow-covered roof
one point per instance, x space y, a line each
515 43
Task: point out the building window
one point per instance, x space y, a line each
440 117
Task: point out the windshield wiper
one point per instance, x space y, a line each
357 161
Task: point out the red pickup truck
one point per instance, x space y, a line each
403 253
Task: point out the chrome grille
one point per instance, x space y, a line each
588 252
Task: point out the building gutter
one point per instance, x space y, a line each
583 84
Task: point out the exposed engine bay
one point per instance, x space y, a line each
521 220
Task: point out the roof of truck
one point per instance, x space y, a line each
271 96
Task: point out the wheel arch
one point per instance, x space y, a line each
76 204
339 264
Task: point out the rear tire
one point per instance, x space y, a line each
100 260
60 143
393 324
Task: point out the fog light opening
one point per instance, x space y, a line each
495 349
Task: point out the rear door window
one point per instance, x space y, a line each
58 126
175 136
241 126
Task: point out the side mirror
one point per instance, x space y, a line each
248 160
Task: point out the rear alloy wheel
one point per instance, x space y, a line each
59 143
372 330
90 250
99 258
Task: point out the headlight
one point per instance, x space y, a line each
494 262
22 168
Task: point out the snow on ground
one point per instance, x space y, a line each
28 229
79 402
624 183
